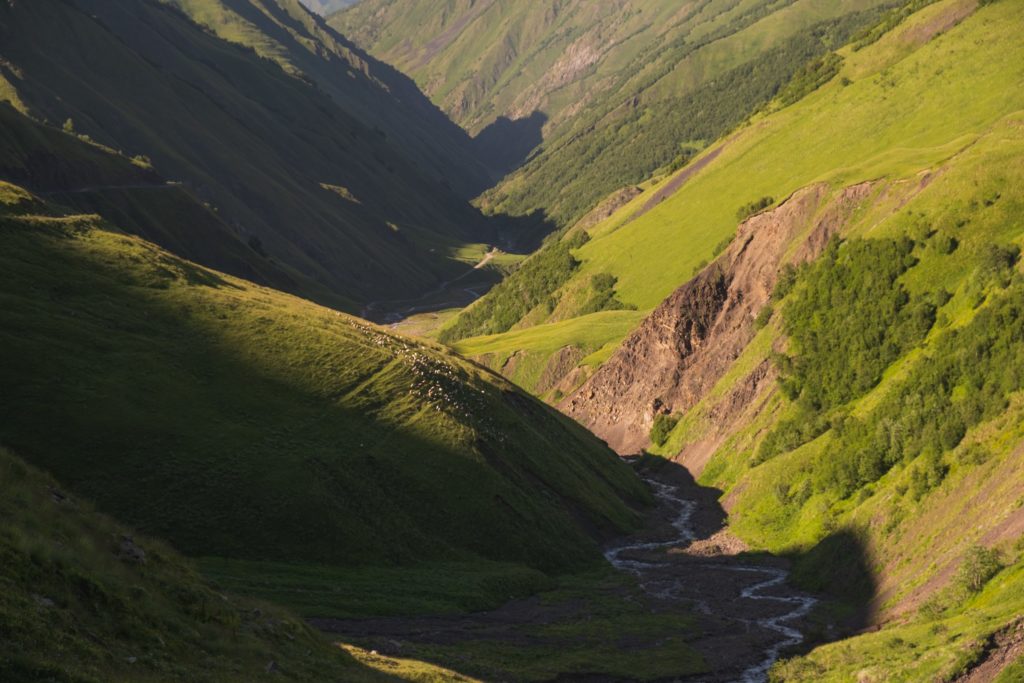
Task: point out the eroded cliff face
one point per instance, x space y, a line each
689 342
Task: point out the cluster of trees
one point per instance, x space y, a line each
748 210
848 320
966 380
602 296
531 285
812 76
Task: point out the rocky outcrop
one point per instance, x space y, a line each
688 343
559 365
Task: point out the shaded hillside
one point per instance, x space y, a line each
239 422
618 89
377 95
132 194
276 157
86 600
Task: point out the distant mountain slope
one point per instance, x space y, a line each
274 155
375 93
618 88
239 422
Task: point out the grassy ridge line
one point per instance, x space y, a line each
239 422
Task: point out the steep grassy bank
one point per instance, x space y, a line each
241 423
86 600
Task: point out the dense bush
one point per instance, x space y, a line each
979 566
812 76
662 427
748 210
848 321
602 297
965 380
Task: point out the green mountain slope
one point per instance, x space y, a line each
848 370
241 423
886 114
617 89
276 156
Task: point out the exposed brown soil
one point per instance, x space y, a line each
678 354
942 22
1006 648
559 365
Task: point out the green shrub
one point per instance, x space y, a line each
847 323
662 427
602 297
812 76
748 210
980 564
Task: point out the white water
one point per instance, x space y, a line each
670 589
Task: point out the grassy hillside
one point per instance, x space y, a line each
883 455
887 116
274 154
85 599
96 179
615 90
241 423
